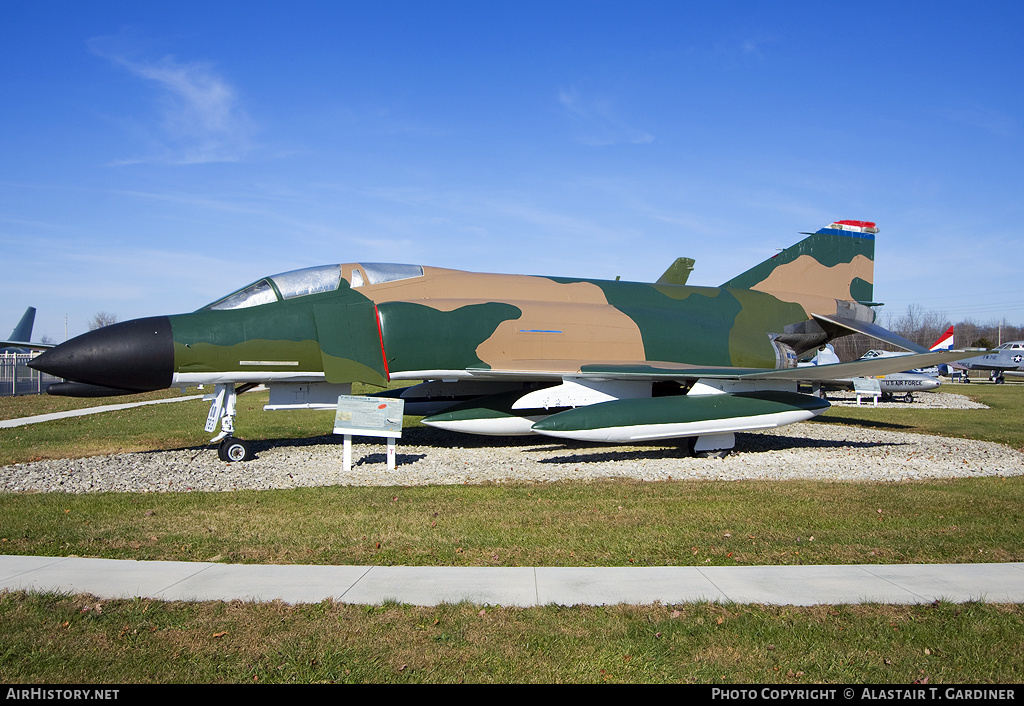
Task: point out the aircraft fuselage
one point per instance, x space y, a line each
416 328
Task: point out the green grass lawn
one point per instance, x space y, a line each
1000 423
56 639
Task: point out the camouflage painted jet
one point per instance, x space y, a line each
583 359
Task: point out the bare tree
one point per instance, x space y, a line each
924 326
101 319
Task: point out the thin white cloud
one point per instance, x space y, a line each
597 121
200 116
983 118
755 46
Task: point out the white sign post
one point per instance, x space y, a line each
867 387
369 416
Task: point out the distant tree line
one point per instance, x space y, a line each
924 326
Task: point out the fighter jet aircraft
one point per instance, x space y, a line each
593 360
1005 359
894 385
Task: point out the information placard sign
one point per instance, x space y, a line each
867 387
369 416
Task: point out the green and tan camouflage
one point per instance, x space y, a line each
513 353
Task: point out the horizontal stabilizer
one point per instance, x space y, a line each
841 326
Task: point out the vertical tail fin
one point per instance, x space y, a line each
23 331
678 272
944 342
837 261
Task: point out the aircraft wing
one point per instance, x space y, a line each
592 401
25 344
859 368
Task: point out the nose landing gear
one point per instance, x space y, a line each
222 408
234 450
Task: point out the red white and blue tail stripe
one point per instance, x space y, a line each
945 341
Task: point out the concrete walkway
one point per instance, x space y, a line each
22 421
517 586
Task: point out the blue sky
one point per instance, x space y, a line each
157 155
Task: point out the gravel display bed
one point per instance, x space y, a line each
810 450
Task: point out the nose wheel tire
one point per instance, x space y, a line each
234 450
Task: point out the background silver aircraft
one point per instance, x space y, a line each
1005 359
903 384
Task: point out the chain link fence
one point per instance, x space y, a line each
16 378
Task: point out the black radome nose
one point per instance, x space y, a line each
135 356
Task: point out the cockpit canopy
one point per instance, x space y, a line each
313 280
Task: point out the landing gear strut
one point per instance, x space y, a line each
711 445
222 408
892 397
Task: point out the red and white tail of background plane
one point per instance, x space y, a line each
944 342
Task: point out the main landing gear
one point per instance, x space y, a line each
222 409
711 445
892 397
